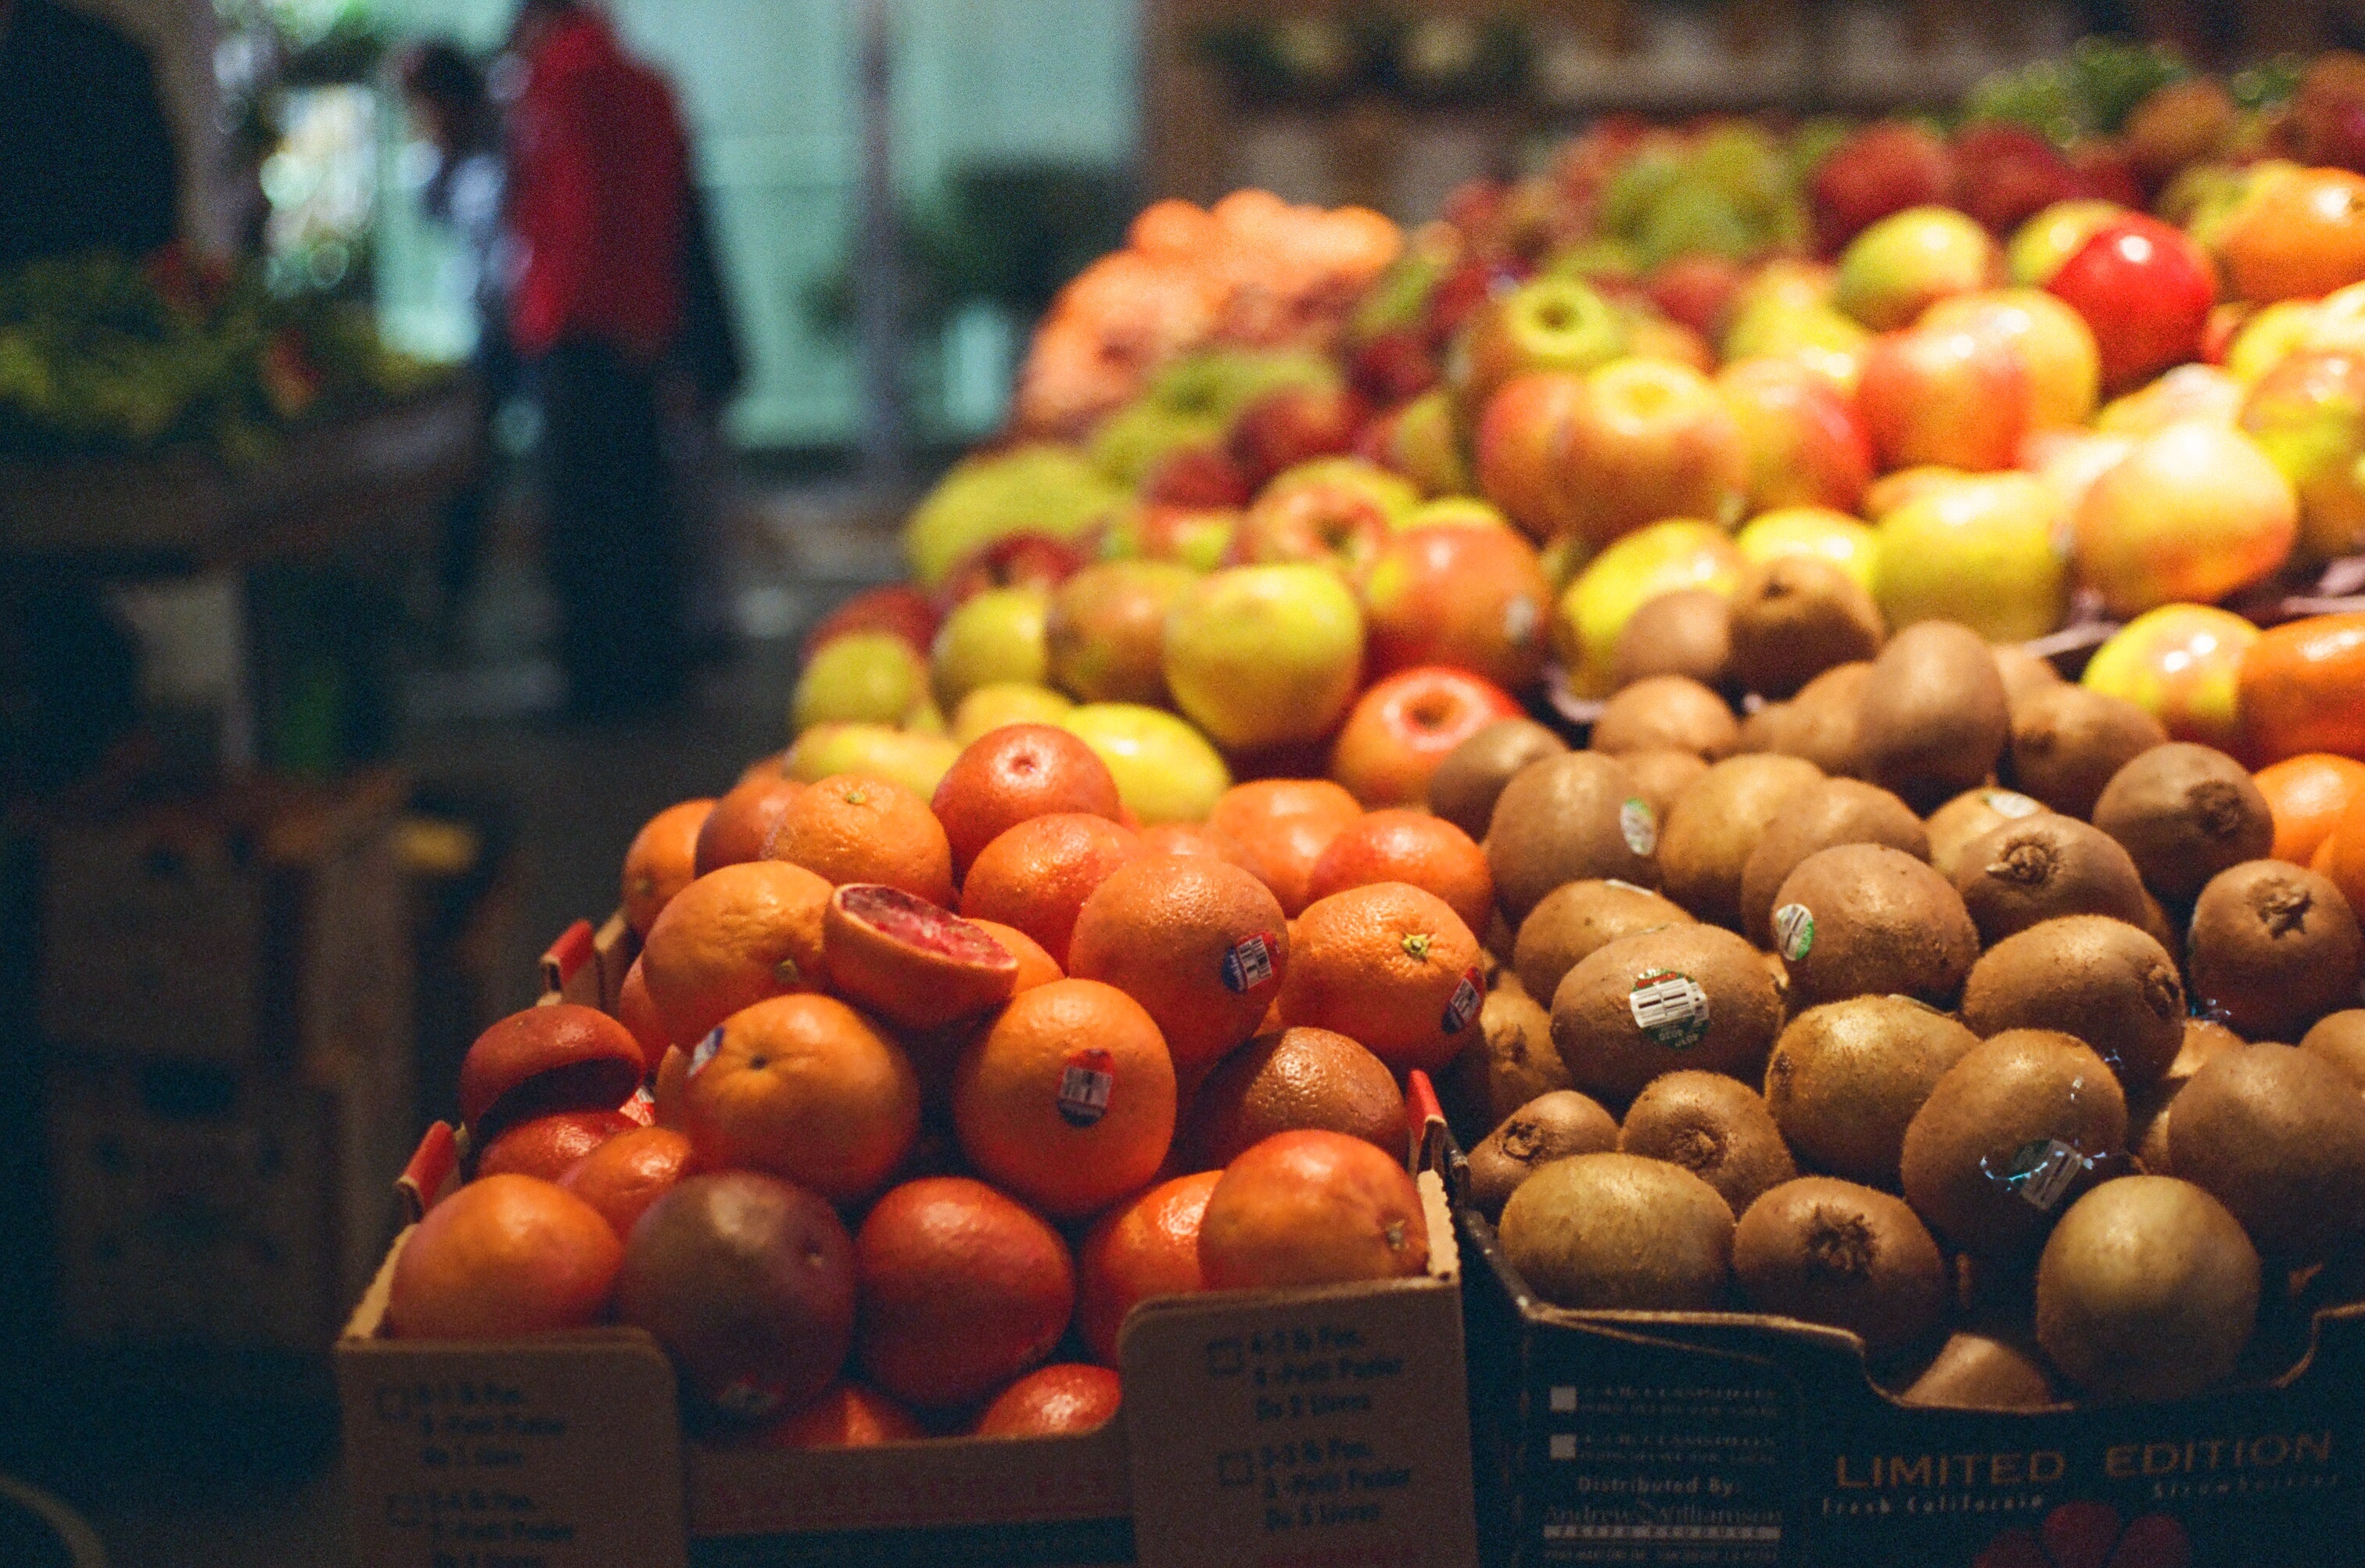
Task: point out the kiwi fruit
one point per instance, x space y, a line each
2185 812
1567 819
2273 947
1831 1251
1991 1154
1716 825
1835 812
1795 617
1512 1061
1864 919
2023 674
2277 1135
2147 1289
2148 1111
1560 1124
1577 919
1932 720
2339 1038
1663 775
1847 1078
1687 633
2042 867
1681 996
2068 741
1666 712
1617 1232
1982 1371
1716 1127
2098 979
1820 723
1969 816
1463 788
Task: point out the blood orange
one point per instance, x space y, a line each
1053 1401
630 1171
564 1057
847 1415
500 1257
1312 1208
910 961
548 1147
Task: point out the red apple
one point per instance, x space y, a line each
1468 286
1104 632
2105 171
1291 424
1420 440
1397 365
1807 444
2052 342
2146 290
1448 594
1017 560
1942 396
1881 169
2006 172
1400 730
1196 476
1339 524
1199 537
1518 436
1695 289
1649 440
897 608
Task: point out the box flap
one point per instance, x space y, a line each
570 971
947 1483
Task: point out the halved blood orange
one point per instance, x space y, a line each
563 1057
910 961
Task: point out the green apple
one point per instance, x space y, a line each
1039 489
1424 445
1661 558
996 636
1263 657
918 762
1000 702
1165 770
1828 535
862 677
2308 414
1902 264
1457 512
1987 549
1546 323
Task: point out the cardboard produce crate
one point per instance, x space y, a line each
1723 1440
1281 1428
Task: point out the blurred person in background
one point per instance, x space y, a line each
599 212
452 110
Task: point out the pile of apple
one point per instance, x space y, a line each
1290 492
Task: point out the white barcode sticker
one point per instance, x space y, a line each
1086 1082
1794 931
2041 1173
1249 964
1464 1004
1521 618
1670 1008
2011 805
1639 825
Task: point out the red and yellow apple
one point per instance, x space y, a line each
2040 245
1266 656
1945 395
1472 597
2181 663
2193 513
1907 261
1401 729
1105 630
2308 415
1806 445
1648 439
2054 344
1518 436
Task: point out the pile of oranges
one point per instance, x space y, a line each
905 1104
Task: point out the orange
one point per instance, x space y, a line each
1145 1247
732 938
500 1257
549 1146
624 1175
1051 1402
1035 967
852 829
1409 846
665 1088
847 1415
1067 1098
911 962
661 861
1286 1083
1312 1208
2299 233
1038 875
2302 689
639 1017
740 825
771 764
962 1288
563 1057
1018 771
2307 793
1391 968
2341 857
802 1087
1202 945
1194 838
1283 825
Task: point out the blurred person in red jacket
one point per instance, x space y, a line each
598 206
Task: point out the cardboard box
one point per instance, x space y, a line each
1278 1427
1723 1440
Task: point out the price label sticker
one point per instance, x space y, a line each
1464 1004
703 1052
1639 826
2040 1172
1086 1082
1249 964
1794 931
1671 1008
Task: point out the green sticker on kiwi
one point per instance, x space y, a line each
1639 825
1794 931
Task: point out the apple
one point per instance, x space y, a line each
2006 172
1463 292
1661 558
1880 170
1396 495
1165 770
1104 630
996 636
2105 171
1820 337
1696 290
1020 560
1785 282
1198 475
918 762
871 677
2070 461
2053 344
1402 728
990 707
1034 488
2266 335
1650 335
1806 445
1291 425
2179 124
1889 492
2308 415
2040 245
1518 434
1457 512
1821 531
2193 513
898 608
1473 597
2181 663
1943 395
1394 366
1896 269
1546 323
1985 550
1197 537
2146 290
1648 439
2188 392
1339 525
1421 441
1265 655
2296 233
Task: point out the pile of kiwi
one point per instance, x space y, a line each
1888 981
